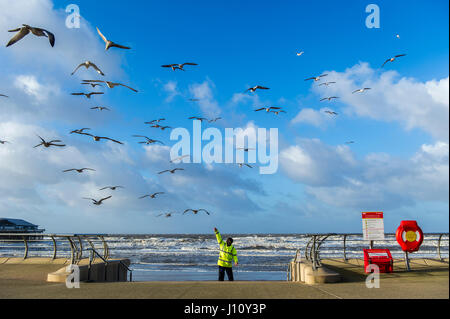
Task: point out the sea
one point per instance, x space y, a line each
186 257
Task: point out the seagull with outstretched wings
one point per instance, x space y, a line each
152 195
149 140
361 90
78 170
172 171
110 84
110 44
98 202
48 144
88 95
257 87
316 78
196 211
177 66
268 109
98 138
26 29
87 65
392 59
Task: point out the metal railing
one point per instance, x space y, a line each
94 253
324 245
72 247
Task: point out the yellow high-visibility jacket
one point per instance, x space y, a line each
227 253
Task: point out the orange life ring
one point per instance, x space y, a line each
409 236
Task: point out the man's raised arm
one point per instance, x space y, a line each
218 236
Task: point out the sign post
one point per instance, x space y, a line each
373 226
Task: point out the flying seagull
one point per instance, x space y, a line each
194 100
80 170
113 188
167 215
92 84
177 66
360 90
350 142
214 120
268 109
179 158
4 95
196 211
278 112
98 138
393 59
111 85
98 202
79 131
172 171
316 78
48 144
88 95
149 140
201 119
331 112
244 164
160 127
152 195
3 142
154 121
110 44
326 83
100 108
329 98
253 89
246 149
88 64
23 31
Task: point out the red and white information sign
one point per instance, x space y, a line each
373 226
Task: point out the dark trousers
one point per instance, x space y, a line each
229 272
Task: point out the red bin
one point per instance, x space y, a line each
380 257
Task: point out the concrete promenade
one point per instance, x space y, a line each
428 280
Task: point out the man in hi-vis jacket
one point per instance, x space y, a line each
226 256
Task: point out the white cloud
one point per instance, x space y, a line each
334 176
66 54
171 89
39 92
412 103
312 117
207 103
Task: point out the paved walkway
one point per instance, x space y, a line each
428 280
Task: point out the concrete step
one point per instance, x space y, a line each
99 272
303 272
321 275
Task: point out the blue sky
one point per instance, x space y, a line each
399 163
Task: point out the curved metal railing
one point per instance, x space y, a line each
73 247
321 246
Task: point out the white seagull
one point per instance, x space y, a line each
253 89
179 158
88 64
316 78
360 90
110 44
